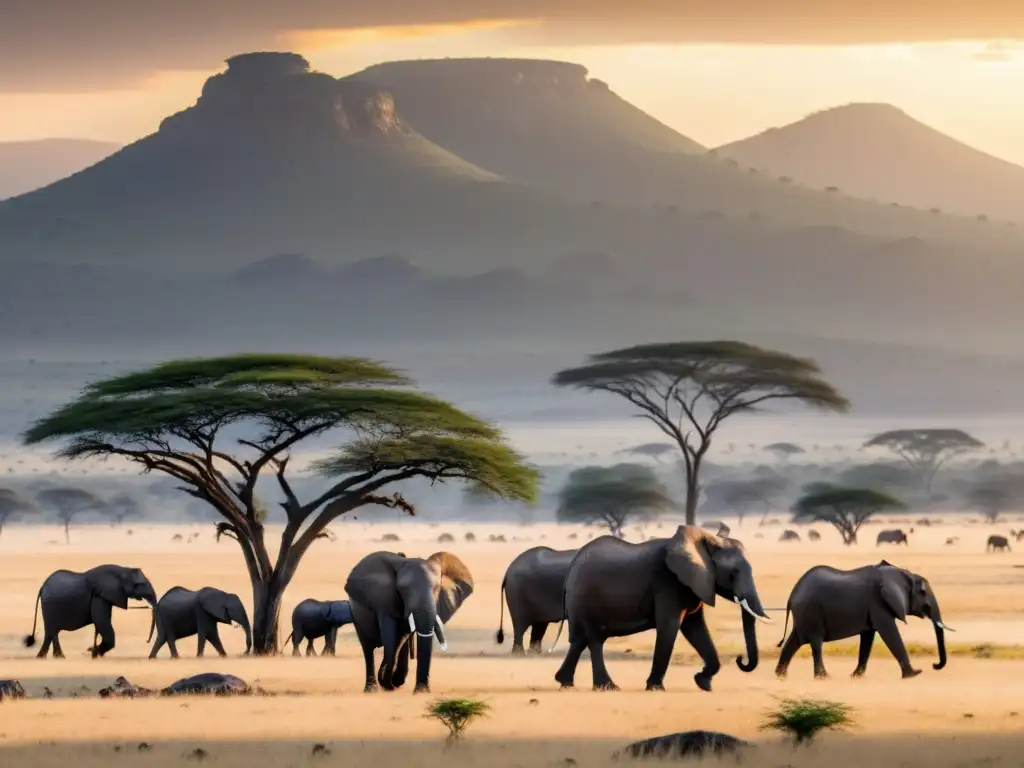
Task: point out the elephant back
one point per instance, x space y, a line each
63 585
339 612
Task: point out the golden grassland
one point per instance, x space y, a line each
963 714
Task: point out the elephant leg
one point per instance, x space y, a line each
402 663
695 629
867 639
602 680
789 649
214 638
160 642
296 642
370 685
891 637
104 628
566 673
665 641
518 631
309 648
819 661
331 642
172 646
537 636
58 652
48 640
389 639
201 644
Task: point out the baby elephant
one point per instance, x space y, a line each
828 604
316 618
997 543
183 613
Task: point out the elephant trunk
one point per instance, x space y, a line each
750 638
244 621
423 622
940 640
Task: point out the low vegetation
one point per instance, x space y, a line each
457 714
803 719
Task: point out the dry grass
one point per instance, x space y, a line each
975 699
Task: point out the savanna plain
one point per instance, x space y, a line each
966 714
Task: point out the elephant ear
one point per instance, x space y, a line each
689 558
214 603
894 593
373 583
456 583
107 584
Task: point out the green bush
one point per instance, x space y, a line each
802 719
456 714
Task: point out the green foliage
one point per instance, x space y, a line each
611 496
687 389
456 714
844 508
803 719
925 450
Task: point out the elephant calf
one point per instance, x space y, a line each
532 587
829 604
892 536
318 618
183 613
997 543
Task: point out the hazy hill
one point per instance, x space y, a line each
28 165
879 151
549 125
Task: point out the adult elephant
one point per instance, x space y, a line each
615 588
532 586
318 618
393 597
183 612
892 536
72 600
829 604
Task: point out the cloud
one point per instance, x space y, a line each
81 45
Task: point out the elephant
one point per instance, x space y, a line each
183 612
997 542
73 600
318 618
829 604
813 535
892 536
532 586
615 589
394 597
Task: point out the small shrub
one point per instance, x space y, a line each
390 537
470 536
445 538
456 714
802 719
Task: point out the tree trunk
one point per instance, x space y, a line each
67 532
266 604
692 494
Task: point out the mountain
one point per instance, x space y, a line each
28 165
549 125
878 151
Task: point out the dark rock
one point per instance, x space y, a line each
208 683
684 744
11 689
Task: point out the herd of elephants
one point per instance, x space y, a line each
606 588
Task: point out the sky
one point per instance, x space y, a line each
716 70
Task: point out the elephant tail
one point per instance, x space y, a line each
30 640
152 626
785 626
287 640
499 636
561 623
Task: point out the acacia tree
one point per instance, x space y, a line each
996 495
741 496
217 424
846 509
650 450
925 450
13 504
69 503
123 507
612 496
783 451
688 389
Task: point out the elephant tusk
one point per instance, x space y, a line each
443 644
412 623
748 609
940 625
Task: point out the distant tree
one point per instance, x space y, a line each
925 450
612 496
994 495
742 496
652 450
172 418
68 503
688 389
783 451
123 507
14 505
844 508
879 474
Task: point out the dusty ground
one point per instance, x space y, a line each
979 693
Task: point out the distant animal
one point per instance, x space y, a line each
498 538
183 613
829 604
892 536
684 744
445 538
312 619
72 600
532 586
996 542
470 537
789 535
1017 535
813 535
211 683
617 589
952 540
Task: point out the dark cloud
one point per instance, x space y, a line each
67 45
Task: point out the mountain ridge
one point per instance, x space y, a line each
29 165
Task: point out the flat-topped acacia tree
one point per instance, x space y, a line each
689 388
176 417
926 450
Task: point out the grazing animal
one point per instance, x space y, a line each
892 536
829 604
72 600
996 542
1017 535
532 586
789 535
317 618
684 744
952 540
813 535
183 612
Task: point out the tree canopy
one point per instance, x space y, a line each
925 450
123 506
69 502
997 494
688 389
13 505
217 424
741 496
784 450
612 496
846 509
651 450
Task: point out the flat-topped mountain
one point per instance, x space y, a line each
879 151
28 165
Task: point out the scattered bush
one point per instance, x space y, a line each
802 719
470 536
390 537
445 538
456 714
